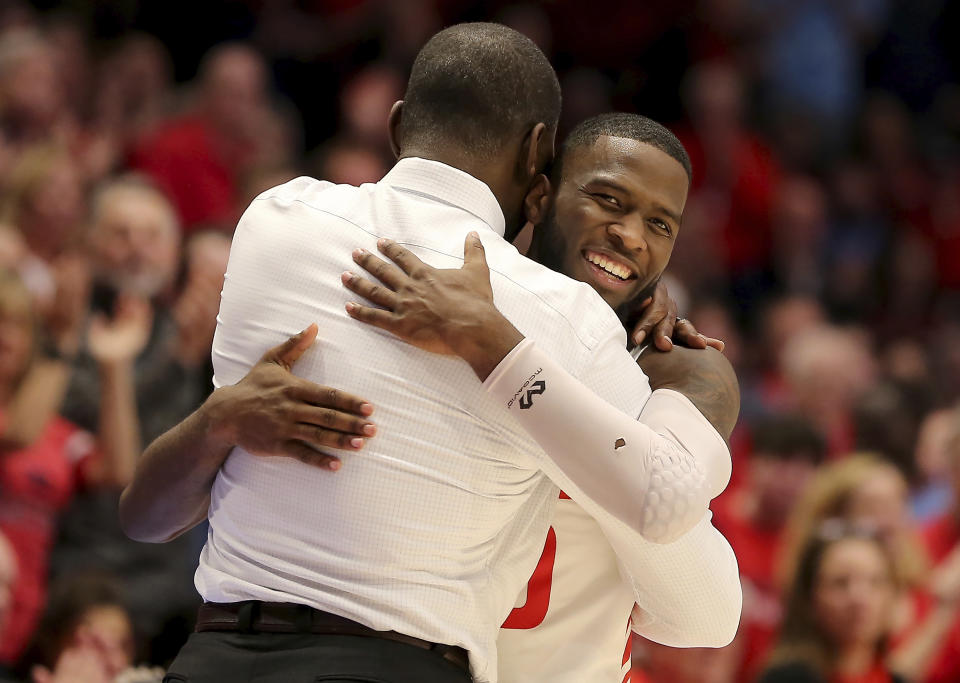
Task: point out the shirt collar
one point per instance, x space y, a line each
449 185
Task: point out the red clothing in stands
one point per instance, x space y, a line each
940 537
756 549
36 483
185 159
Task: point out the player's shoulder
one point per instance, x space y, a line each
553 295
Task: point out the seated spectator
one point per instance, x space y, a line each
827 369
31 90
837 611
865 490
40 472
786 453
86 636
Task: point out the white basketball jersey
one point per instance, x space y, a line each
572 623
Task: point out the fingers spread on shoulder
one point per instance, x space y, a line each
402 256
385 272
371 291
377 317
685 334
474 255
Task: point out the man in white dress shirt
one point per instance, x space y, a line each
416 551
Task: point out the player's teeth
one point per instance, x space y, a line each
610 266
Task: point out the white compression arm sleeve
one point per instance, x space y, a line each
607 461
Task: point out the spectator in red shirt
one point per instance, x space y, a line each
736 177
38 476
837 612
786 453
199 160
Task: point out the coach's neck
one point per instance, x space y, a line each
508 173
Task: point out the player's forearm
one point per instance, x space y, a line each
170 491
486 342
688 592
607 461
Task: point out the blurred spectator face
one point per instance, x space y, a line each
614 218
235 90
45 199
827 368
366 103
953 454
30 86
134 239
207 256
145 67
109 626
788 318
8 575
937 431
800 215
786 452
714 96
853 593
778 483
16 330
880 503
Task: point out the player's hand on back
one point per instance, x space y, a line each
659 320
445 311
273 412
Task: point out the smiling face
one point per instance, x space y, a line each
614 217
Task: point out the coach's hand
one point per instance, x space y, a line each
446 311
660 316
273 412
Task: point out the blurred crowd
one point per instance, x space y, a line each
821 241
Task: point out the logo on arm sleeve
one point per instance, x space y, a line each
526 395
535 389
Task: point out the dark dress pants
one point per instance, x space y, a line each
221 657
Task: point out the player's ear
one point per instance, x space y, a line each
393 126
537 199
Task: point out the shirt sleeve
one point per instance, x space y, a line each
615 467
688 592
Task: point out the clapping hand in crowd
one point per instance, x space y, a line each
120 339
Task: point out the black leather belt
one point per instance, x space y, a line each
284 617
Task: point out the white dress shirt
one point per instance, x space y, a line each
433 529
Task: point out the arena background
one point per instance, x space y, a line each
821 242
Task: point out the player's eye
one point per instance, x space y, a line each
662 226
607 199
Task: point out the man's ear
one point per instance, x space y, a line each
537 199
535 153
393 125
